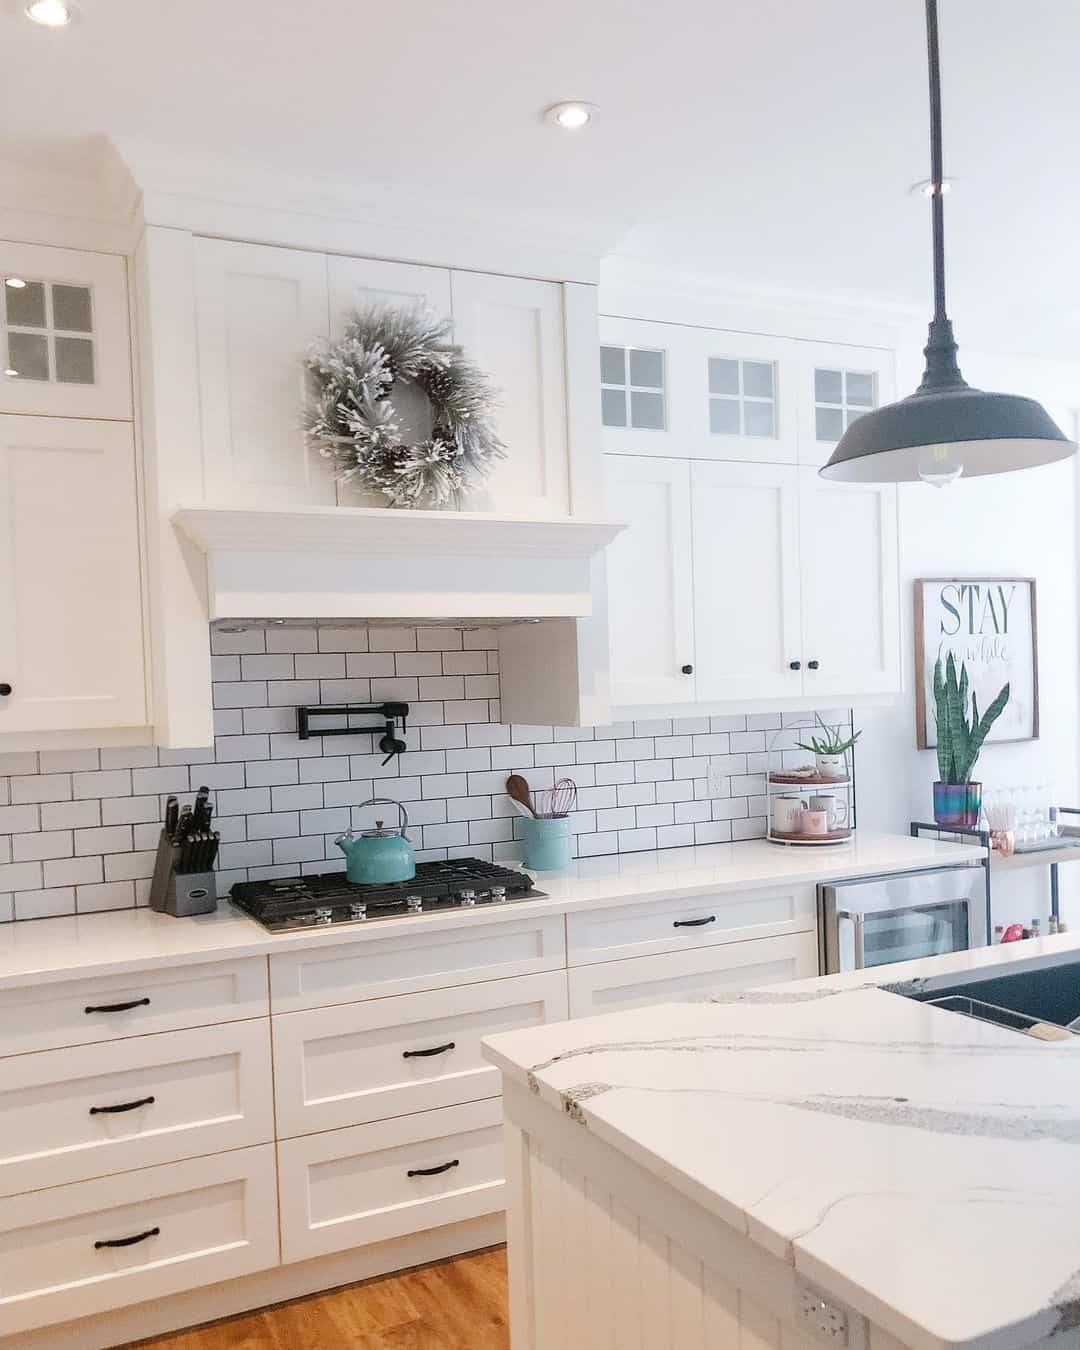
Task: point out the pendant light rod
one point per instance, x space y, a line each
937 171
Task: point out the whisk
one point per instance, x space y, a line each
556 802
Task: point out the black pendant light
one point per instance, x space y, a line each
945 428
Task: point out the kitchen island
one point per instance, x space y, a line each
825 1162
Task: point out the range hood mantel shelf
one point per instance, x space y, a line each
365 563
385 533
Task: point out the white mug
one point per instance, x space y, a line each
836 808
787 813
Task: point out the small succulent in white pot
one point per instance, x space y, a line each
830 749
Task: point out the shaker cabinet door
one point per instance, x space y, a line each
746 581
71 627
650 581
513 328
850 587
836 386
64 333
357 282
258 309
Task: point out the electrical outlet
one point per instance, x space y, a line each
827 1321
717 777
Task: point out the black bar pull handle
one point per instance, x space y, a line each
117 1007
127 1242
426 1054
123 1106
693 923
433 1171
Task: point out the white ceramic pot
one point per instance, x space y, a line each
831 766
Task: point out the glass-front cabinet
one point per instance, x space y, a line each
64 333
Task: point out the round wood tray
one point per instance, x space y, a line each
794 837
800 780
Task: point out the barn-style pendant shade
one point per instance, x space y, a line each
945 428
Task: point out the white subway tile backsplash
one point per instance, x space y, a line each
79 829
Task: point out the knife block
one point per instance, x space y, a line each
180 894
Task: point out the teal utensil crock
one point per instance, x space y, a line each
547 843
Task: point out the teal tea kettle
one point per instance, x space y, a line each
379 856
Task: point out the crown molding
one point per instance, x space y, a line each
95 207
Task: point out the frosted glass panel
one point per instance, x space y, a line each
647 411
830 424
613 365
71 308
647 369
74 360
26 305
723 376
828 386
28 355
613 407
860 389
757 379
724 416
758 419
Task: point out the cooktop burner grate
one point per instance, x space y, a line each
287 903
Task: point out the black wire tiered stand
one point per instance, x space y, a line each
785 777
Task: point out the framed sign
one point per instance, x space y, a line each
989 624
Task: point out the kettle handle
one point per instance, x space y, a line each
389 801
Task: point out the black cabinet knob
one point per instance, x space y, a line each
5 689
795 665
688 670
813 665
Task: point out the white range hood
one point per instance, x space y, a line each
374 563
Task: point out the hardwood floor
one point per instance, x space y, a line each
458 1304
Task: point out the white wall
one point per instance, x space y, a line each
1021 524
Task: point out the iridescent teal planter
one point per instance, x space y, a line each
958 806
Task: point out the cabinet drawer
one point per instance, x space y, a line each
414 961
361 1062
654 926
204 1220
688 977
73 1114
349 1187
77 1012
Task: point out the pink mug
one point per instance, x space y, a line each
814 822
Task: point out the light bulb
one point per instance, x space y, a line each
940 465
49 13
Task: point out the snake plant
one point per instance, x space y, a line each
960 738
833 742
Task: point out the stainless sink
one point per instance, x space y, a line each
1041 1001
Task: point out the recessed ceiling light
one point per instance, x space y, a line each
11 373
50 13
925 187
16 283
571 115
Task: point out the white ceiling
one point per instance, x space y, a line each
770 141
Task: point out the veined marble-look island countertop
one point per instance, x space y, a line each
45 950
918 1165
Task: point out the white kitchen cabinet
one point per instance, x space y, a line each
836 385
71 616
64 337
514 330
356 282
691 976
258 310
650 581
850 586
746 581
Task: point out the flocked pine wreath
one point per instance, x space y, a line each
352 419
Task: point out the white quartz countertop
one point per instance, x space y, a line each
919 1165
44 950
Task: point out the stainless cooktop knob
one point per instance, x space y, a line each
415 903
324 914
357 909
498 894
467 898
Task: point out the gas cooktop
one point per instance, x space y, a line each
286 904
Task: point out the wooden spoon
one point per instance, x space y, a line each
517 789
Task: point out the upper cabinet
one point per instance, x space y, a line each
64 333
258 309
515 331
356 282
837 386
71 625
